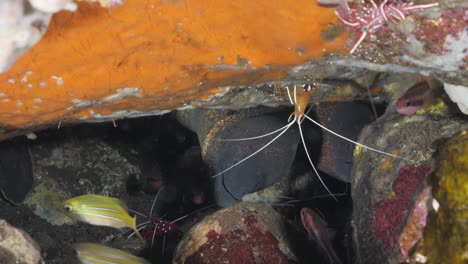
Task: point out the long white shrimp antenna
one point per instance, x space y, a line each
154 201
250 138
311 163
136 212
194 212
354 142
139 227
292 201
256 152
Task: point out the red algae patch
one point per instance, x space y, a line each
244 233
450 22
390 214
414 228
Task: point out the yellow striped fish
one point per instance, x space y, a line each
90 253
100 210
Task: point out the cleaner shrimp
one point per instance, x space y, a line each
300 98
159 227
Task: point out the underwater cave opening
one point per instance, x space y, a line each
134 158
130 160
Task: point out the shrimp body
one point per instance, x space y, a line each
300 98
158 228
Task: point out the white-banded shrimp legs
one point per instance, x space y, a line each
161 227
300 99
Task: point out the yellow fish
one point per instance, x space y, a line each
90 253
100 210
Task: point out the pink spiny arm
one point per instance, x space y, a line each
370 19
358 42
346 22
398 11
382 11
422 6
374 4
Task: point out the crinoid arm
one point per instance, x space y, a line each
358 42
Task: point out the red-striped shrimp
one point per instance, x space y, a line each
159 227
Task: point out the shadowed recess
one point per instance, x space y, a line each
16 172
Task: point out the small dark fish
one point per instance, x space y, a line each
319 231
414 98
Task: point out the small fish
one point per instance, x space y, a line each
100 210
90 253
414 98
319 231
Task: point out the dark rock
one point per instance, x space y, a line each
386 190
257 172
192 176
16 246
16 174
346 119
75 167
244 233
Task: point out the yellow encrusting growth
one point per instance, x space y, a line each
438 108
446 235
357 151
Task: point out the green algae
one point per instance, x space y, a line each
393 90
446 235
332 32
46 199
